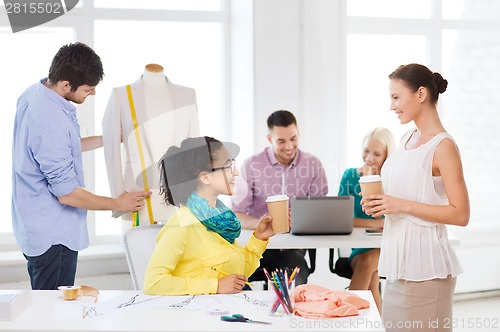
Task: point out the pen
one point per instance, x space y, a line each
226 274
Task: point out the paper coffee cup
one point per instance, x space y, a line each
278 209
370 184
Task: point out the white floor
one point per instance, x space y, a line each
481 314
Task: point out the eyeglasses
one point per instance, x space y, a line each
231 166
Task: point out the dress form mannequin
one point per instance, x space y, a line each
154 68
166 114
156 90
158 103
161 126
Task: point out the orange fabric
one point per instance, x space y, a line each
314 301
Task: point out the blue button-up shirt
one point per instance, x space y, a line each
46 163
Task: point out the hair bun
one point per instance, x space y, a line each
441 83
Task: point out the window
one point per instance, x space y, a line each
471 111
389 8
208 5
470 10
368 85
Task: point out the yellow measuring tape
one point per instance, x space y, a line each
135 214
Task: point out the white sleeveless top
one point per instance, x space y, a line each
412 248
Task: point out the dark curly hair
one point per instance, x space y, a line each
416 75
78 64
180 166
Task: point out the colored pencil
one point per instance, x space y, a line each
292 278
226 274
279 297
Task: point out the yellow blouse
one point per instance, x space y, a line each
186 251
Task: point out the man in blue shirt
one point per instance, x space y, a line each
49 202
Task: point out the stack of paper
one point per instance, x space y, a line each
13 303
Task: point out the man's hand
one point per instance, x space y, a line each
133 201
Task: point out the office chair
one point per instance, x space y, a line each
259 275
139 244
341 267
312 260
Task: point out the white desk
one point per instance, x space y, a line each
49 312
357 239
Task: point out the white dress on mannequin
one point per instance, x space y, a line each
166 114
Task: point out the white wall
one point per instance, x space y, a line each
296 53
277 62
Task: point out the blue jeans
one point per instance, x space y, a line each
56 267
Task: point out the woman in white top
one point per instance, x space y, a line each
424 190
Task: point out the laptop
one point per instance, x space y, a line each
327 215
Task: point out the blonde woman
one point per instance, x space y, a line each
377 146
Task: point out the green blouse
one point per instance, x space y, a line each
349 186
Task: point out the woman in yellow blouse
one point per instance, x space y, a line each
196 250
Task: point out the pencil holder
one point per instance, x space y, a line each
281 300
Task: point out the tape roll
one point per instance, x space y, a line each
74 292
69 292
88 291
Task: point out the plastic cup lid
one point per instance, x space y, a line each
276 198
370 178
